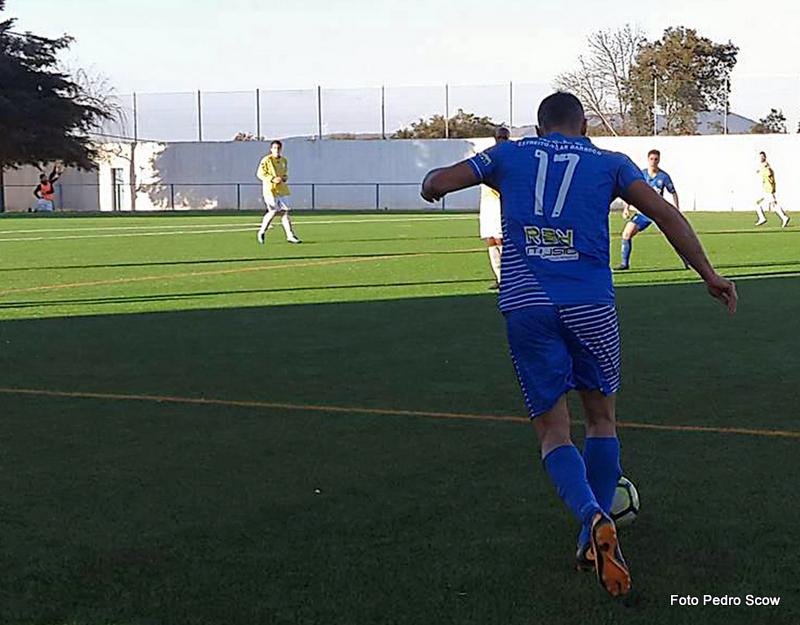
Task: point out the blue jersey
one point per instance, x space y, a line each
555 197
659 182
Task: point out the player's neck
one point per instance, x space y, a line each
652 171
568 133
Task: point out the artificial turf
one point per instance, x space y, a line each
118 509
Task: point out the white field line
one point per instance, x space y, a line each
162 227
127 234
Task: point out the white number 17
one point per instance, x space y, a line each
541 177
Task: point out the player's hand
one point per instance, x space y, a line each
276 180
724 290
429 197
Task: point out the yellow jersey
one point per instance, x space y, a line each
271 167
767 178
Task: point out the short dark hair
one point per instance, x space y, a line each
560 109
502 130
654 151
276 142
763 153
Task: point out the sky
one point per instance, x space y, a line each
170 45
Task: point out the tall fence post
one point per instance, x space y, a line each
199 117
313 196
2 191
446 111
238 196
319 111
258 114
172 195
727 105
135 119
383 111
377 196
655 106
510 105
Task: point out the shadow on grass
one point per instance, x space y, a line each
159 297
125 512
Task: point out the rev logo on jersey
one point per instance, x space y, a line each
550 243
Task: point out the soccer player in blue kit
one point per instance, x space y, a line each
659 180
558 300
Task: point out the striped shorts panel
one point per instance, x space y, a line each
555 349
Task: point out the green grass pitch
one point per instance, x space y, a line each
323 481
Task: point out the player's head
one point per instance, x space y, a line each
501 133
762 157
561 112
275 148
653 158
43 178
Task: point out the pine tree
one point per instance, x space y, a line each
44 115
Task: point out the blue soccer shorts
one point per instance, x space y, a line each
642 222
559 348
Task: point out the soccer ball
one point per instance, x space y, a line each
625 507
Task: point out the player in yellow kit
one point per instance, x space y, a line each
768 188
273 173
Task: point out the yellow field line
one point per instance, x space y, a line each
219 272
206 401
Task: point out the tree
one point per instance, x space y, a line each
692 73
44 115
774 122
247 136
602 77
461 126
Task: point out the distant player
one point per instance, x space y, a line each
491 227
558 300
659 180
45 192
273 173
768 189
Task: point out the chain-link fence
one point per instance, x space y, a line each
669 107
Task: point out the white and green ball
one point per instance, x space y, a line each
625 508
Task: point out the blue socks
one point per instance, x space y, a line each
567 471
603 470
626 251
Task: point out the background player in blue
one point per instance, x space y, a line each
558 300
659 180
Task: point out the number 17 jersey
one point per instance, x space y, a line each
555 197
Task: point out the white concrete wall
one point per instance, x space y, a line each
714 173
344 174
75 190
719 173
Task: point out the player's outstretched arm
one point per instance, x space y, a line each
675 200
683 238
440 182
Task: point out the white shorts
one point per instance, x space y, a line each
491 226
767 198
273 202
